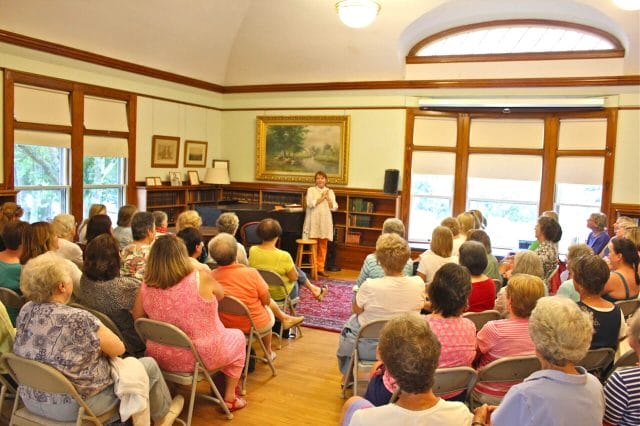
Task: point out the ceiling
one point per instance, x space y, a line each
243 42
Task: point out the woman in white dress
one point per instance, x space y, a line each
318 224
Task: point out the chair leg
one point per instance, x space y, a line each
347 376
243 386
217 395
16 403
267 356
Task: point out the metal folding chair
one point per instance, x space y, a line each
11 299
628 307
449 380
287 304
104 319
598 361
359 368
508 369
481 318
234 306
45 378
170 335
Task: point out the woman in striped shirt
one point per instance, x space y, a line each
622 390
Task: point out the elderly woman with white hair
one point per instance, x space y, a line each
621 392
228 223
371 268
64 225
78 345
560 393
598 237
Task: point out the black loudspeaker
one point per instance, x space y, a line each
391 177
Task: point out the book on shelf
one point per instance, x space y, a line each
360 220
361 205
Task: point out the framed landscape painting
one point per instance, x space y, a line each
195 154
294 148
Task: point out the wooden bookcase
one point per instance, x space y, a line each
356 231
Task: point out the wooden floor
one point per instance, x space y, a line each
306 390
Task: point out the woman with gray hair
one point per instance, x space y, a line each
598 237
228 223
371 268
560 393
621 392
134 256
78 345
64 225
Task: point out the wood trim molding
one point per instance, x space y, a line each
618 48
8 137
507 57
462 164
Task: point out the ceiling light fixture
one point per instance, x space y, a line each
628 4
357 13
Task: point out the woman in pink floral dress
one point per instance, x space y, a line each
173 292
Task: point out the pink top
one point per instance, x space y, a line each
457 335
483 295
501 338
182 306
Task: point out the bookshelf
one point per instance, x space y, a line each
173 200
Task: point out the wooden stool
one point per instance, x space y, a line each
307 247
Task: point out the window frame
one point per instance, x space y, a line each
549 152
77 130
618 50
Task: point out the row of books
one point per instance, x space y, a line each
359 220
165 197
361 205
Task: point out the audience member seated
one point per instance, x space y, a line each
98 225
228 222
267 256
448 294
162 222
134 256
438 254
192 239
9 212
621 224
39 238
524 262
192 219
621 392
75 342
473 256
103 289
624 282
174 292
410 352
370 267
246 284
632 234
381 298
7 336
64 225
95 209
574 252
467 222
480 220
598 237
560 393
122 232
492 270
454 226
509 337
10 260
590 273
548 233
548 213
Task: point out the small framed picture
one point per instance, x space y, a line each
195 154
175 179
164 151
220 164
194 179
157 180
149 181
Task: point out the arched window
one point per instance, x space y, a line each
516 40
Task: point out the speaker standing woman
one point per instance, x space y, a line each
318 224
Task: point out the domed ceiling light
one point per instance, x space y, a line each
628 4
357 13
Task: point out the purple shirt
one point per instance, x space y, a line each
598 242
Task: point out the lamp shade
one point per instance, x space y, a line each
357 13
217 176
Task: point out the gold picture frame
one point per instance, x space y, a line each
195 153
165 151
294 148
194 178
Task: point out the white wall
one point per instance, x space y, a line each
626 172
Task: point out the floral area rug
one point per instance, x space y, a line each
333 311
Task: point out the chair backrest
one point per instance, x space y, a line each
234 306
41 377
498 284
11 299
163 333
372 330
509 369
628 307
208 214
481 318
454 379
249 234
104 319
273 280
628 359
597 359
